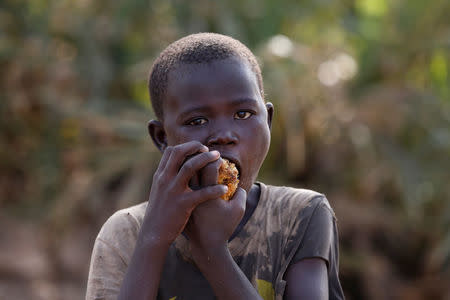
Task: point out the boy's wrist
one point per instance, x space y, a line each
153 240
210 253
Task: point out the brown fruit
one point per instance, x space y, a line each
228 175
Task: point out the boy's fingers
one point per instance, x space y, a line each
210 173
193 165
164 158
180 152
207 193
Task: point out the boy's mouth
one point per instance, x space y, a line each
236 163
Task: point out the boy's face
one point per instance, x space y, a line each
219 105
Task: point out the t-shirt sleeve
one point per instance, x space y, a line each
318 238
321 241
110 257
105 273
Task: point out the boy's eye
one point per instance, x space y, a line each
242 115
197 121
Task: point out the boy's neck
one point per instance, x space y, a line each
253 197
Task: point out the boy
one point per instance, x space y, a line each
186 243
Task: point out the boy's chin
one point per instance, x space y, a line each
246 184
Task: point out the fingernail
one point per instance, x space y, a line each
204 149
215 153
225 188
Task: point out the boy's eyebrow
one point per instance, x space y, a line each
206 108
244 101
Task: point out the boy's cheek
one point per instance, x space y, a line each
177 135
174 140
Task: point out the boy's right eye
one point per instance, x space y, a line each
197 122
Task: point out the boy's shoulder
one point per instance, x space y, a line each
286 207
124 222
291 197
132 214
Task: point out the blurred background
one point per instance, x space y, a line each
362 98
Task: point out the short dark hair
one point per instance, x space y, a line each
196 49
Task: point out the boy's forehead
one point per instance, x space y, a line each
230 78
213 67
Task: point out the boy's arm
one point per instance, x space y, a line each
313 273
170 205
209 229
307 279
223 274
142 278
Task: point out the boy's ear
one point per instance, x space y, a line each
158 134
269 107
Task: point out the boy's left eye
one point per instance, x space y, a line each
242 115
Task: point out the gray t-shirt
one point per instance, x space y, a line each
287 225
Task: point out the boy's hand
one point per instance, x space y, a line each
171 200
213 222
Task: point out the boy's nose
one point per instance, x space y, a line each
225 137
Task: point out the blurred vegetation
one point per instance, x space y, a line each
362 97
